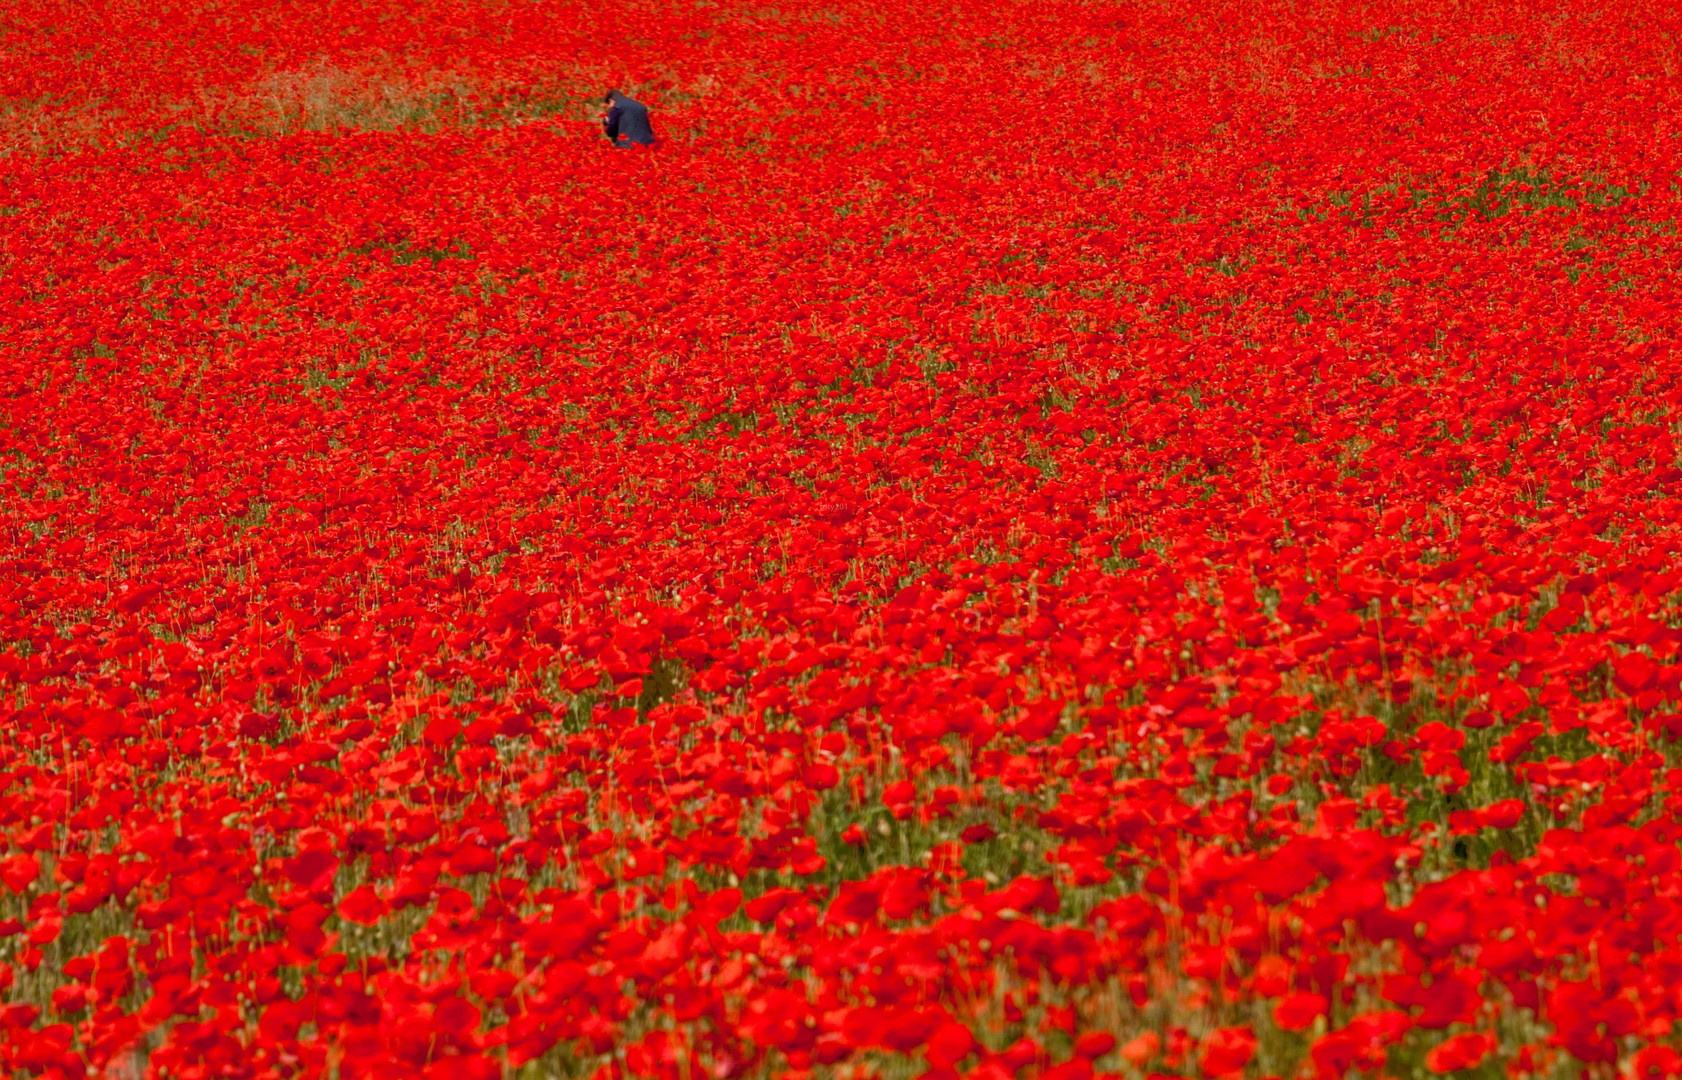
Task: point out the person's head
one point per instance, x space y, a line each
610 97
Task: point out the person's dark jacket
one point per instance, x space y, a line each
627 122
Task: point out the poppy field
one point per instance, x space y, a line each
1048 541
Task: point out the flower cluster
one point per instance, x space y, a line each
1054 540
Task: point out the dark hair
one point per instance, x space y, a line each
610 97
